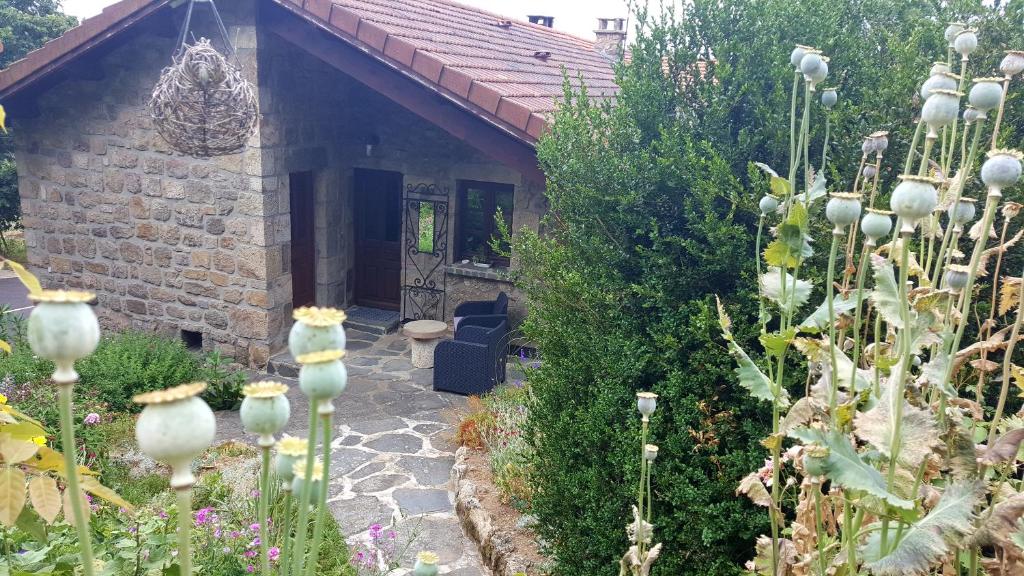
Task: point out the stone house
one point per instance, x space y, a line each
390 134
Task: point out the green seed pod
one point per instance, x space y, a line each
914 198
942 81
843 209
876 224
322 375
829 97
1002 169
798 54
971 115
869 171
939 68
814 465
966 42
768 204
986 93
952 30
956 277
963 211
940 110
289 451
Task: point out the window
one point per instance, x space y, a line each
478 204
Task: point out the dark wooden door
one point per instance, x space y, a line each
378 238
302 200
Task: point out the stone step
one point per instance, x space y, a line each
372 320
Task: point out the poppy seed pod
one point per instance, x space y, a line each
829 97
939 68
798 54
63 328
986 93
1012 64
265 410
289 450
914 198
956 277
646 403
174 428
650 452
940 110
868 145
963 211
870 171
810 62
315 330
966 42
426 564
768 204
952 30
1002 169
941 81
322 376
876 224
971 115
819 73
881 139
299 479
842 210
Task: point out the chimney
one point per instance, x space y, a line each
548 21
610 36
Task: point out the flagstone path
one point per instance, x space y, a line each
392 450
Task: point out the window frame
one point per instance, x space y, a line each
490 189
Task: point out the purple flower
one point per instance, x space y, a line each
91 418
162 515
250 568
203 516
255 527
234 534
274 553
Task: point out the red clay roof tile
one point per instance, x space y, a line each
465 51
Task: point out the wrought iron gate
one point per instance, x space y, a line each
424 255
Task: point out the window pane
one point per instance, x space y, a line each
426 227
474 224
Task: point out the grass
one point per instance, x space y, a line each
13 248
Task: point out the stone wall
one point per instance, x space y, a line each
168 242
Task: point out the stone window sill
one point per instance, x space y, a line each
495 273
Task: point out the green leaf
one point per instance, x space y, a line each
775 343
778 254
817 191
750 375
919 434
886 296
926 541
789 297
818 320
780 187
29 522
845 467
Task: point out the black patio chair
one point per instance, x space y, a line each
474 361
496 307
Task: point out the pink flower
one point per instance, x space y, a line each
274 553
255 527
250 568
203 516
91 418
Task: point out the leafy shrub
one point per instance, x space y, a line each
224 386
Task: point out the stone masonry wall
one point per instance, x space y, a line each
168 242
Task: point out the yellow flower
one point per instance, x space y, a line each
3 399
40 440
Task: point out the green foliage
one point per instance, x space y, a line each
224 386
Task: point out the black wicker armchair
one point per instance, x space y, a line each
496 307
474 362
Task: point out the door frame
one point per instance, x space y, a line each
310 257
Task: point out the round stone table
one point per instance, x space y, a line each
424 335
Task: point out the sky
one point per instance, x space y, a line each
577 17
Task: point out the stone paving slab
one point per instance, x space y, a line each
392 452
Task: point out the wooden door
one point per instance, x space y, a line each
303 219
378 196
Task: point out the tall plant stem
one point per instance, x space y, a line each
986 328
820 527
185 530
792 115
286 527
861 273
302 523
644 427
913 147
1007 364
824 146
966 165
963 80
833 395
999 113
849 534
321 510
67 438
929 142
264 504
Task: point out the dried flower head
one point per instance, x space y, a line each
321 357
1006 152
428 557
319 317
299 469
62 296
292 446
264 389
169 395
650 452
1011 209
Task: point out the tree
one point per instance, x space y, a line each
24 26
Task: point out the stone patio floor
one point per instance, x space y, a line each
392 450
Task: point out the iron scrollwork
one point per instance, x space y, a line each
423 271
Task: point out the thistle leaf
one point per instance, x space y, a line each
1004 449
926 541
796 294
750 375
919 435
753 488
818 320
885 296
994 525
845 467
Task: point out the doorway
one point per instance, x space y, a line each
302 199
378 260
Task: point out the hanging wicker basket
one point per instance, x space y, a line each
202 106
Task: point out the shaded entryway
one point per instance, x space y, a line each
378 258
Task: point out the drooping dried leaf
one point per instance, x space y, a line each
1004 449
1001 249
1010 210
754 489
14 451
45 497
68 507
926 541
962 456
984 365
919 435
1009 294
92 485
975 232
801 413
996 524
12 494
997 341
